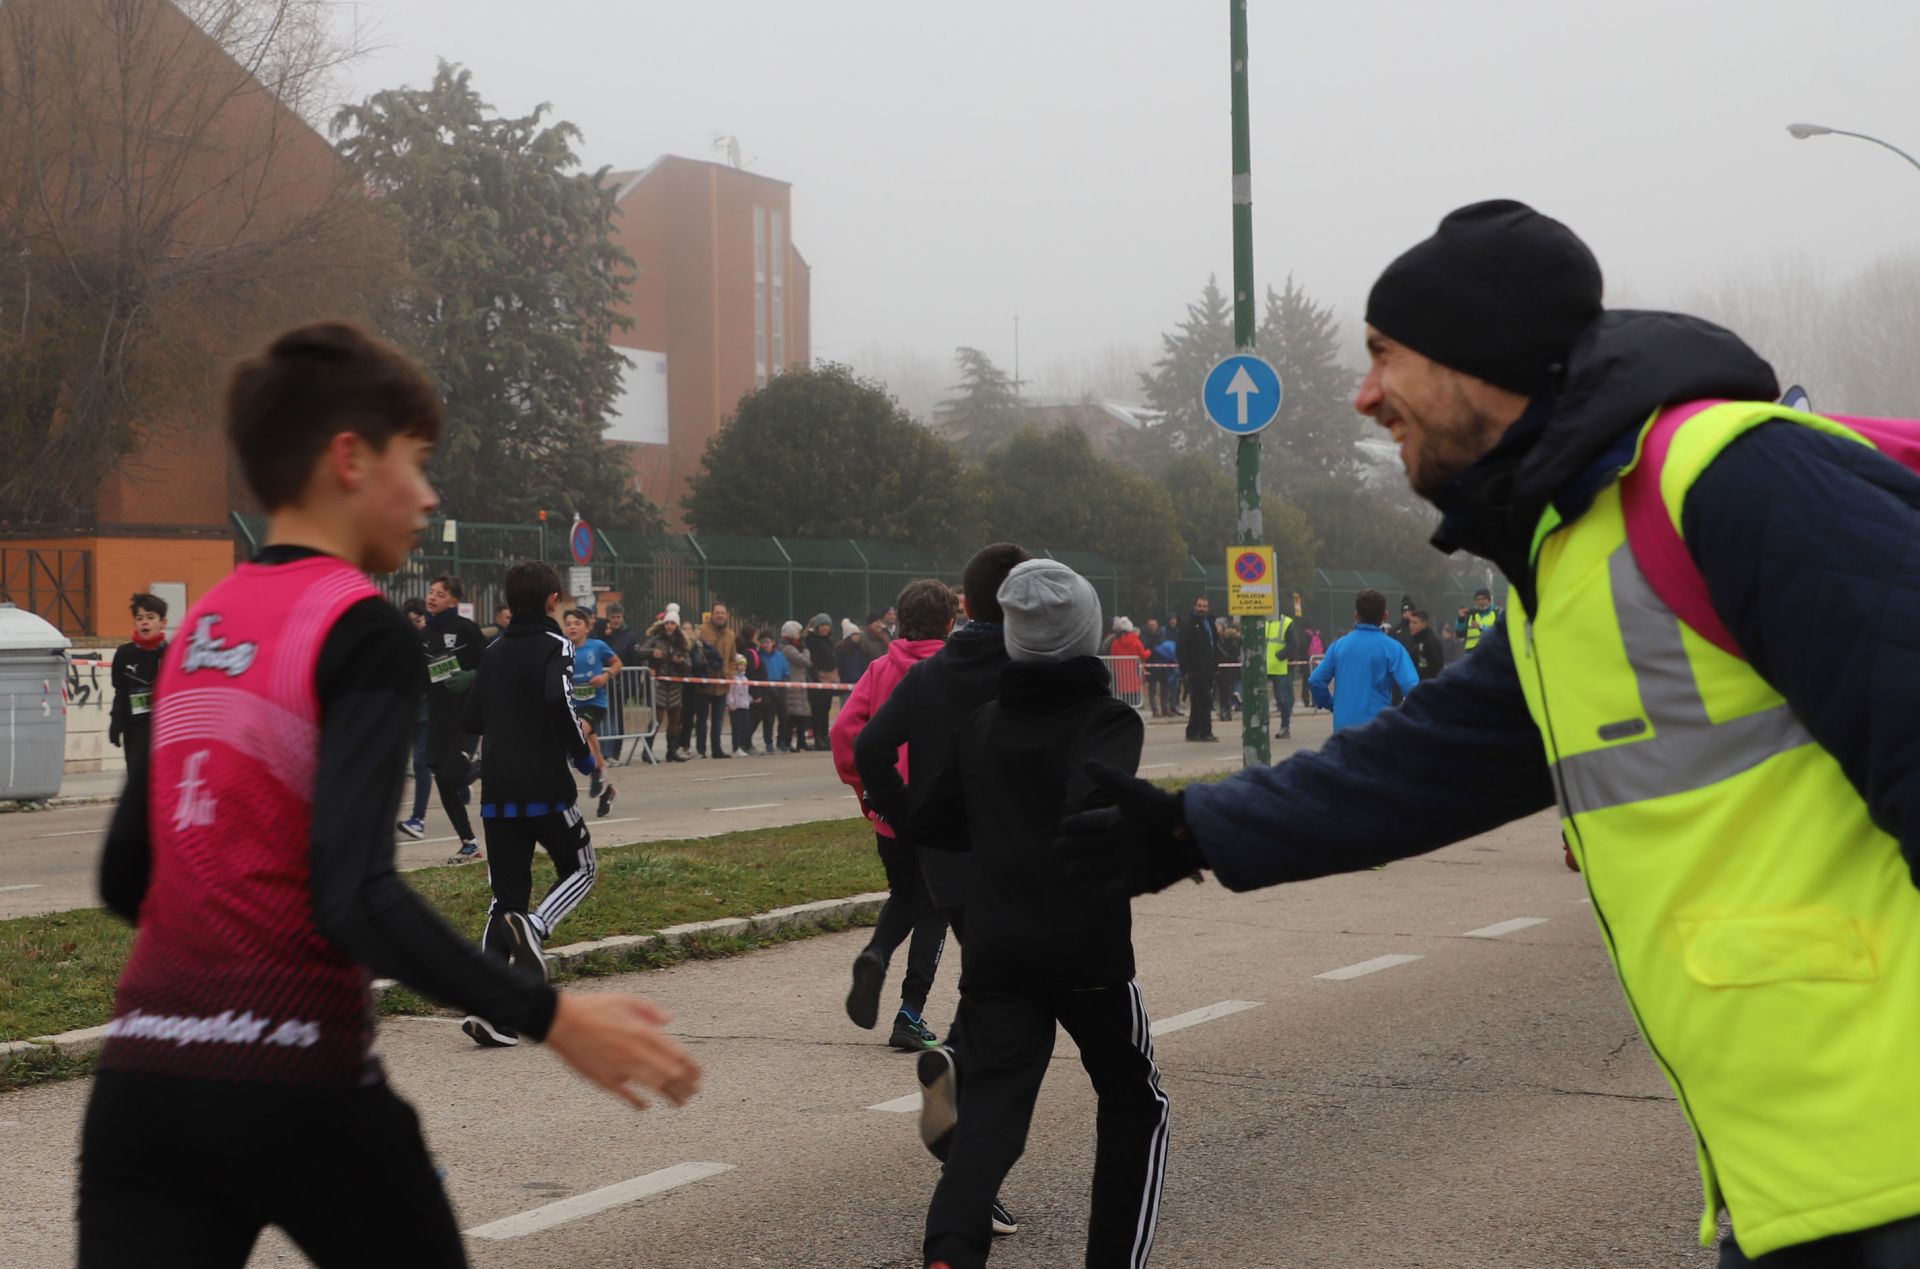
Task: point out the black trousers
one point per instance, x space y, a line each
1891 1246
179 1172
1200 707
742 728
820 702
510 844
1282 686
704 715
450 777
1009 1044
908 912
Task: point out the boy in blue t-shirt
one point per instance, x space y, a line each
594 666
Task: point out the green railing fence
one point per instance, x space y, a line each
764 580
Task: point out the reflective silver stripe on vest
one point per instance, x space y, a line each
1687 751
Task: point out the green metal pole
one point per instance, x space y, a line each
1255 746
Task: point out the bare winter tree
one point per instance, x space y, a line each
164 203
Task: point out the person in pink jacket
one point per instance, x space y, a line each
926 615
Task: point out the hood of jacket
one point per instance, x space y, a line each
1565 448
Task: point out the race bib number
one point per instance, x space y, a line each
585 691
443 669
141 702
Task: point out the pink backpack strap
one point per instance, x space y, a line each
1657 546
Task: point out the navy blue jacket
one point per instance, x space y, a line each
1808 546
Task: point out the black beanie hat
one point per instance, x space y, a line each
1499 292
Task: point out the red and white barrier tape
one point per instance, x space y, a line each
811 687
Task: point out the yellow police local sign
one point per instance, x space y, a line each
1251 589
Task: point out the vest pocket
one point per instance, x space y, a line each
1749 951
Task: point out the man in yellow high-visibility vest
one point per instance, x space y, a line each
1281 652
1746 817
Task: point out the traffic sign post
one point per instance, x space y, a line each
1243 387
1242 394
1251 589
580 542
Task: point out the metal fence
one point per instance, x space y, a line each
1326 598
55 584
764 580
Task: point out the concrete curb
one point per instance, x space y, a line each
611 950
54 804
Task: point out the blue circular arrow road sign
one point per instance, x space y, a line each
1242 394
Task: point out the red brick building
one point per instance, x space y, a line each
720 304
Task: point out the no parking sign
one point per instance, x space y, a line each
1250 586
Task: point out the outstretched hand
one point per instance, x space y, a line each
1138 845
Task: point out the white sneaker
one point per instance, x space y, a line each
488 1036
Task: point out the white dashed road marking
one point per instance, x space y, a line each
899 1105
74 832
1194 1017
11 889
1504 927
572 1209
751 775
1364 968
751 806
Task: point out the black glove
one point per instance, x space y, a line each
113 734
1139 845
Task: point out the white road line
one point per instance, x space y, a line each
1583 901
1194 1017
1364 968
751 775
1153 766
751 806
73 832
1504 927
548 1215
1179 1022
10 889
432 841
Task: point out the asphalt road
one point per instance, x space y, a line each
1479 1100
47 858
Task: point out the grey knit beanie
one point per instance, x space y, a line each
819 619
791 630
1052 613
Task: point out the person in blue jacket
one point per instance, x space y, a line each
1364 666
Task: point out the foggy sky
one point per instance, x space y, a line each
1068 160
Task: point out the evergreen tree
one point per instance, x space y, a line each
1314 435
1173 386
985 413
518 280
824 453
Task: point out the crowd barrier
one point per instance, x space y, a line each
632 719
1130 676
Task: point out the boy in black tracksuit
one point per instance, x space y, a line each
522 702
1042 948
136 668
453 645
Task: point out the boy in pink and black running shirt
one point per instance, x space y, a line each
237 1088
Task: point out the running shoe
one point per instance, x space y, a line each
416 829
605 804
468 852
1003 1222
911 1035
524 942
593 786
863 1000
939 1099
488 1036
1285 733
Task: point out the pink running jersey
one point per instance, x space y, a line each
229 977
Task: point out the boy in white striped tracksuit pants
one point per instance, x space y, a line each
522 702
1041 946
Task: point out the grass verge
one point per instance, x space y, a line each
58 972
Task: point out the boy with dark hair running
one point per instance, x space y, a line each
594 666
453 645
522 702
415 825
922 713
1043 949
136 668
237 1088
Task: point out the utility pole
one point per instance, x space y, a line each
1255 745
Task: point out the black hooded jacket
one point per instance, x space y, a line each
1805 541
923 712
1017 766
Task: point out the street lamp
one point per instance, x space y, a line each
1801 131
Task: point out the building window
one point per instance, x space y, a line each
779 248
759 297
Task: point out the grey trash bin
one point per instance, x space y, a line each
33 714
